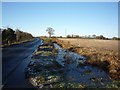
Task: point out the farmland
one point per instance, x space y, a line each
67 45
100 53
105 44
53 66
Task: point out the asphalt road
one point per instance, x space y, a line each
14 60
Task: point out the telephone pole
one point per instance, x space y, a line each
65 32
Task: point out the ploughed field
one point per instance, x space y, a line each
52 66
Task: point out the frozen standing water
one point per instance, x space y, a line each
73 56
61 54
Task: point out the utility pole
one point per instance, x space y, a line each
65 32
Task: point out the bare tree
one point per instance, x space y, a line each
50 31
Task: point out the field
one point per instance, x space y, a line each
100 53
105 44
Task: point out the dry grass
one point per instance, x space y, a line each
105 44
101 53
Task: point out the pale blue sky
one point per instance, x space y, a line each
100 18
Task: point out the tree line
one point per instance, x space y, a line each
10 36
51 32
93 37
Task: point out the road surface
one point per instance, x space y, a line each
14 60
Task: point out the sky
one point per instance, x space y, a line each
78 18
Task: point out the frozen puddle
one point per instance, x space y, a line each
76 71
63 54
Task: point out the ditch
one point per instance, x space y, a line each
54 67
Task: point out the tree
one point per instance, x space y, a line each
60 37
50 31
115 38
68 36
89 36
100 37
8 35
94 36
22 36
18 35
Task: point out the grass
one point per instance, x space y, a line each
75 85
97 55
87 72
47 40
15 43
115 84
103 44
47 53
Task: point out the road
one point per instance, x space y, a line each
14 60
